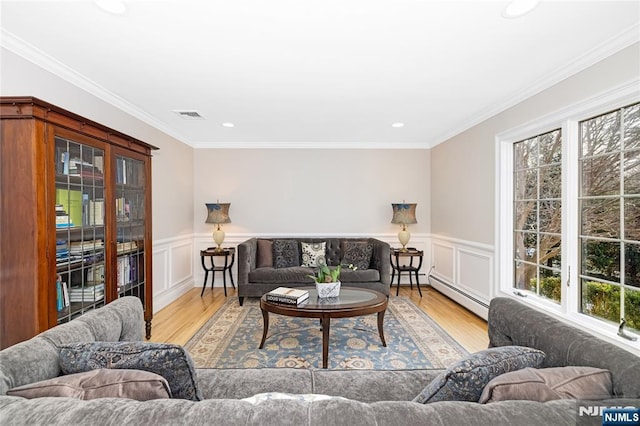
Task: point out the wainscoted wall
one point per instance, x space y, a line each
464 271
177 266
172 269
202 241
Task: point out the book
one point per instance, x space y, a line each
71 200
59 297
96 212
288 295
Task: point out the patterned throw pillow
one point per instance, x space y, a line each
313 254
356 253
169 361
285 253
465 379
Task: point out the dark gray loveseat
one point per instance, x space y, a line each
255 279
373 397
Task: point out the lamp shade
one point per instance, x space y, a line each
218 213
404 213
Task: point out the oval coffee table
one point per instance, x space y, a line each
352 302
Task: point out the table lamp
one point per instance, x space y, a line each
218 213
404 214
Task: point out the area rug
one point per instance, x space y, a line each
231 337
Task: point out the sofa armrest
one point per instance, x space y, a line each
380 260
247 252
514 323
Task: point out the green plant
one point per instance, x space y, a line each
326 275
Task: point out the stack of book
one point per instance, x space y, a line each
62 218
87 294
289 296
80 247
62 252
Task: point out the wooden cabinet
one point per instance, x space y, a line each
75 218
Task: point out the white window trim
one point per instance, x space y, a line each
567 119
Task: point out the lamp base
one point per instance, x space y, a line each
404 236
218 237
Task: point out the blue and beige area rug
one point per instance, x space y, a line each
231 337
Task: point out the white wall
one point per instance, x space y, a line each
289 191
463 177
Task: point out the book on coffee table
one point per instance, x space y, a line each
291 296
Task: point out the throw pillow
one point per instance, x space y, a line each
170 361
285 253
356 253
465 379
100 383
264 255
547 384
313 254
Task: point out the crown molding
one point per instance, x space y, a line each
602 51
32 54
311 145
29 52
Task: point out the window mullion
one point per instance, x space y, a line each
570 216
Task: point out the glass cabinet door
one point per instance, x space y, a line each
130 226
80 230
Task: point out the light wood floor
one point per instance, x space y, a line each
180 320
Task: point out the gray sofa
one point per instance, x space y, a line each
373 397
254 281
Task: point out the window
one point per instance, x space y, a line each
610 216
568 212
537 214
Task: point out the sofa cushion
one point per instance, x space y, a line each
547 384
465 379
264 255
285 253
100 383
313 254
359 276
296 274
356 253
170 361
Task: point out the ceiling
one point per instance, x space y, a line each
316 73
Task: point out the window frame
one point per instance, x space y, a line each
567 120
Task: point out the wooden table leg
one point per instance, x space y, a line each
325 341
265 320
380 329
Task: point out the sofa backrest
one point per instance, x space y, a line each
37 359
514 323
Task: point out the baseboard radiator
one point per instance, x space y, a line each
470 302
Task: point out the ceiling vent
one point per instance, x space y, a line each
189 115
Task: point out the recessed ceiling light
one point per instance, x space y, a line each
397 125
519 8
117 7
227 124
